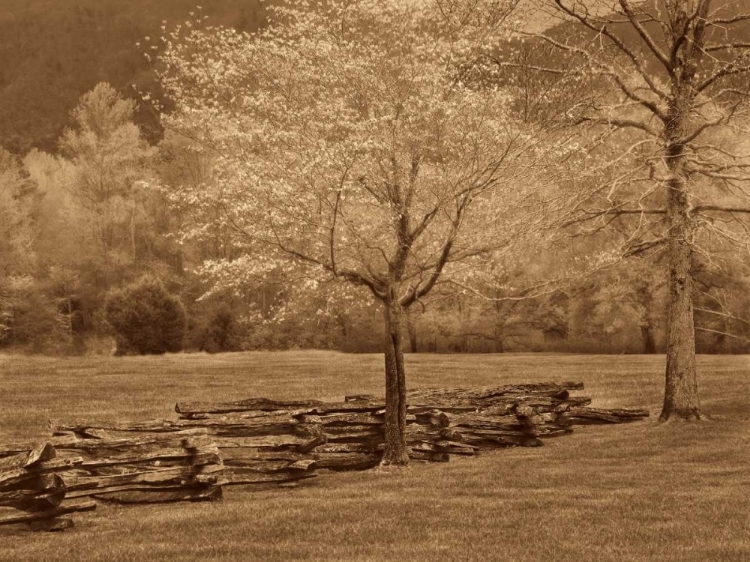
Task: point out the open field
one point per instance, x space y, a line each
675 492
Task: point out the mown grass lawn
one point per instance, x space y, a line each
674 492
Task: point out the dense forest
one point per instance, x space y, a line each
89 231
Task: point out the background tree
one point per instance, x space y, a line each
351 142
670 130
110 159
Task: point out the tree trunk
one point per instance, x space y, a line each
132 230
647 334
395 452
681 387
499 347
412 329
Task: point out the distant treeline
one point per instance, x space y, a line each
82 224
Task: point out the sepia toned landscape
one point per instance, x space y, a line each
354 280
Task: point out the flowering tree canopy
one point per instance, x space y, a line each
356 141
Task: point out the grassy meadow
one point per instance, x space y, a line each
646 491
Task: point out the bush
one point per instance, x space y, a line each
146 318
215 329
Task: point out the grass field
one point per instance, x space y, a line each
674 492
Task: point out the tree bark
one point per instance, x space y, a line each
681 387
395 452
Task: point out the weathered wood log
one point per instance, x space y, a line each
420 409
344 419
434 418
51 487
208 454
508 422
249 404
585 416
263 404
559 391
372 438
52 513
259 417
428 456
19 475
272 467
169 475
81 427
355 431
43 452
40 493
346 461
11 449
214 425
444 446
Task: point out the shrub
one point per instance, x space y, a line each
215 329
146 318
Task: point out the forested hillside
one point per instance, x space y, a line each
53 51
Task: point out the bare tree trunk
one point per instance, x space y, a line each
681 388
395 388
132 229
412 329
499 346
647 334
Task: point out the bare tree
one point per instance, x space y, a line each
665 95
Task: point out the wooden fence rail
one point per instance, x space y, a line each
32 488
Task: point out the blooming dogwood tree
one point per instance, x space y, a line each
352 140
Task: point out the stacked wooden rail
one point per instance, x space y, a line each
32 489
268 442
264 440
146 467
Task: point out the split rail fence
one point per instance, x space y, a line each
264 442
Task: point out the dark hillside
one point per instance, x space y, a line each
52 51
